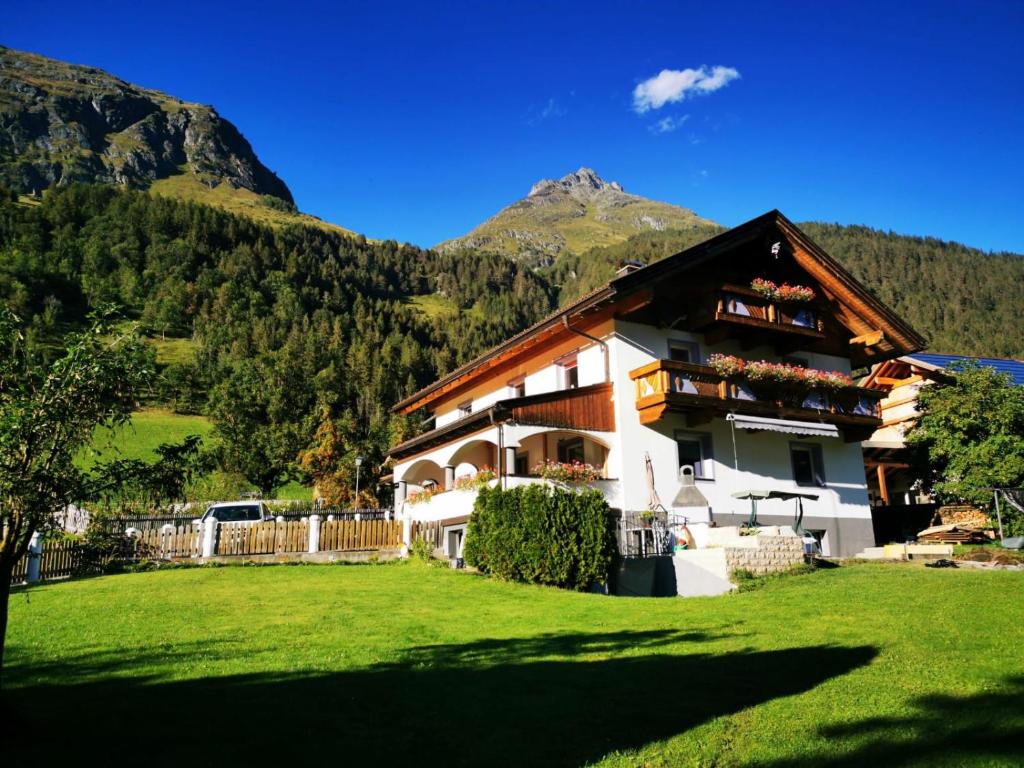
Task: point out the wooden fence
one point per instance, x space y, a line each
266 538
350 535
168 543
429 532
59 559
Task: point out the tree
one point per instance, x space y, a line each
970 433
256 438
47 413
330 463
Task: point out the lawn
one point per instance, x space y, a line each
151 428
873 665
147 430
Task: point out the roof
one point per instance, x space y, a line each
1013 367
904 341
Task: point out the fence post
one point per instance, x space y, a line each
314 533
209 537
35 556
406 533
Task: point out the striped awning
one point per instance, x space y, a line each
805 428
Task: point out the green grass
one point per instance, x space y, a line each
866 665
244 202
175 351
147 430
153 427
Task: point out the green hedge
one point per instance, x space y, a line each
542 535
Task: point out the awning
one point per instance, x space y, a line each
806 428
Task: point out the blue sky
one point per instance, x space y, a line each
418 121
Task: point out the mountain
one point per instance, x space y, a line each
577 212
63 123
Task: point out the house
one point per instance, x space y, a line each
891 483
732 358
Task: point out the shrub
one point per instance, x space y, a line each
422 550
542 535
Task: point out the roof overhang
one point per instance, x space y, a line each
764 424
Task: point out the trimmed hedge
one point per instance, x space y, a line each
542 535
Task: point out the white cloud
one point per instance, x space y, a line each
537 115
672 85
668 124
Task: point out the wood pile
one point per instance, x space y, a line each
953 534
960 514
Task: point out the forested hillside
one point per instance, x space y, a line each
963 300
293 326
295 338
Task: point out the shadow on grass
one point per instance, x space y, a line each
983 729
493 702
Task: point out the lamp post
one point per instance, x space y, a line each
359 463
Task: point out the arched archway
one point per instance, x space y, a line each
474 456
424 472
562 445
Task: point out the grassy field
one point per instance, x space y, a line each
240 201
865 665
148 430
151 428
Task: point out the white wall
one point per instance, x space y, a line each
764 457
547 378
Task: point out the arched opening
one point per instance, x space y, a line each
563 446
474 456
423 474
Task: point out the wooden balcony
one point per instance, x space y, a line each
698 391
740 310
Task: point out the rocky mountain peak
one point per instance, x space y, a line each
582 183
62 123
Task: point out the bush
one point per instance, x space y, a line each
542 535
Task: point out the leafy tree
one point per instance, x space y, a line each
47 413
256 440
330 463
970 432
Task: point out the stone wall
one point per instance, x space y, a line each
771 555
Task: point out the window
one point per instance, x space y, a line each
570 450
683 351
695 451
465 408
570 373
798 362
808 467
517 387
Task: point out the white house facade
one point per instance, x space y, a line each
635 380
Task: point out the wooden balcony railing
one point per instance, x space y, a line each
668 385
740 306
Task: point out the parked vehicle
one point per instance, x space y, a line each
237 512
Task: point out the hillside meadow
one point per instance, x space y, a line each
405 663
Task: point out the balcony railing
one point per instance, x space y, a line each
740 306
669 385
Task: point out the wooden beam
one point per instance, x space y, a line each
872 339
889 381
883 489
